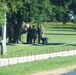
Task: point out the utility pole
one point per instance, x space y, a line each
3 42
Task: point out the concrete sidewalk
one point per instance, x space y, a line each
16 60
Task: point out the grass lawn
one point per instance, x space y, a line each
38 66
56 38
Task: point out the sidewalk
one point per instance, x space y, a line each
16 60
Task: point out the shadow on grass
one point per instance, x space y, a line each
55 44
48 44
36 44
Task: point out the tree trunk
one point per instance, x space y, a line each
64 23
17 28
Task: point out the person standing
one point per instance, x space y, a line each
34 34
39 34
29 35
42 31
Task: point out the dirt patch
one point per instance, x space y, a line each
57 71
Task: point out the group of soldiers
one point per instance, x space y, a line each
34 33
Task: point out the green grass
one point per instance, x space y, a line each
17 51
38 66
59 25
56 37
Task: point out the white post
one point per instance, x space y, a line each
4 50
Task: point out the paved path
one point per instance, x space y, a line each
16 60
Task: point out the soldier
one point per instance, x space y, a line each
42 30
34 34
39 34
29 35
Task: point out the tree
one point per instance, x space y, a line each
60 10
29 11
72 6
2 11
37 11
16 8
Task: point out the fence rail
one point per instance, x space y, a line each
29 55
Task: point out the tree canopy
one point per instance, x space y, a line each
39 10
